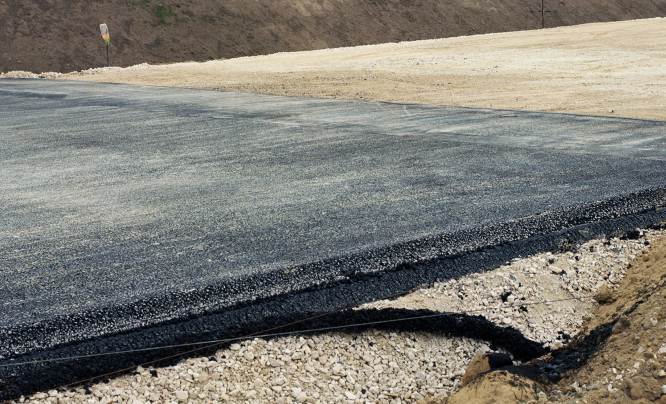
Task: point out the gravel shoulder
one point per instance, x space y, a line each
606 69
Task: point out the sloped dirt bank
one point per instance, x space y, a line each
63 36
630 364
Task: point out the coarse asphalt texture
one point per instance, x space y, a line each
128 207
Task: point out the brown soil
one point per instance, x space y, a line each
48 35
497 387
627 367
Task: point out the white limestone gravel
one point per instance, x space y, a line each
21 74
382 367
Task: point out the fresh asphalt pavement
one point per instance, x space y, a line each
114 194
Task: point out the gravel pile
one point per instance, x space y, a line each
335 368
375 366
21 74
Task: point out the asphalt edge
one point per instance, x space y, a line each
353 286
427 252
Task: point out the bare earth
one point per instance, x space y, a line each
631 365
614 68
603 69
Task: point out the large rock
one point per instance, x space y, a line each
483 363
604 295
498 386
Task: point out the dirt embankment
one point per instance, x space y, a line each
630 365
39 35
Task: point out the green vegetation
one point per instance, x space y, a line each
162 12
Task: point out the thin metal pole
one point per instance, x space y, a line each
542 23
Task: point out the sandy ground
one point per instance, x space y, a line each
603 69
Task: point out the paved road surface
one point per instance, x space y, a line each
115 194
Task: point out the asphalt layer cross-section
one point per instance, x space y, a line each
123 207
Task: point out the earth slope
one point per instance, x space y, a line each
39 36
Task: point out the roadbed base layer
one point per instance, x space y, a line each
317 306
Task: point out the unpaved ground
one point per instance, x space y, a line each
605 68
628 367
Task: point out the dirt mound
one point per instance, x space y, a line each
38 35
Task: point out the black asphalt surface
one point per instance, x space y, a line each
125 207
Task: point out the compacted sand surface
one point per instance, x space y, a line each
603 69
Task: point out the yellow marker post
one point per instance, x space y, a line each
105 36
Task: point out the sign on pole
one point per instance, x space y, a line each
105 36
105 33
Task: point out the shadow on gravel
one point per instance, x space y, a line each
17 380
